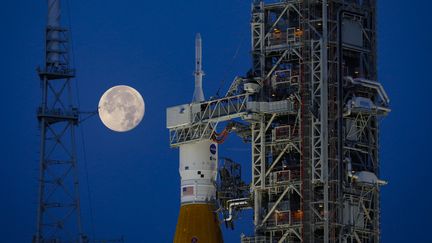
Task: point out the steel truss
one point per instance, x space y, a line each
314 32
276 180
315 165
58 218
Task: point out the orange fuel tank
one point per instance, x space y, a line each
198 223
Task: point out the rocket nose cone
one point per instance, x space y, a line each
198 36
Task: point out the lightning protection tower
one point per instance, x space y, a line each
58 214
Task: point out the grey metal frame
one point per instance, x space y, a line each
58 214
321 182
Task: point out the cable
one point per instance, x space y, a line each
88 182
230 66
81 128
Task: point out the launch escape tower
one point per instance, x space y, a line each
310 107
58 218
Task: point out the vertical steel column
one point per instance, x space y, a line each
258 167
324 117
41 165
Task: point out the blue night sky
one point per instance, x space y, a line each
133 176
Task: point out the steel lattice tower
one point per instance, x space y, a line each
58 214
310 107
318 182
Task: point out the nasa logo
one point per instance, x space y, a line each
213 148
194 240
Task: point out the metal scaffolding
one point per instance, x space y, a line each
312 103
58 218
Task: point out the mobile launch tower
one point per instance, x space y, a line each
310 107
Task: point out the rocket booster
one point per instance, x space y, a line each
198 95
197 221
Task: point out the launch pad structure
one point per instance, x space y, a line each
58 217
310 108
58 210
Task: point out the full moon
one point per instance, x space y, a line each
121 108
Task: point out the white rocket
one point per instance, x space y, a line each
198 95
197 220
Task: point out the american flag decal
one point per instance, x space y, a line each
188 191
